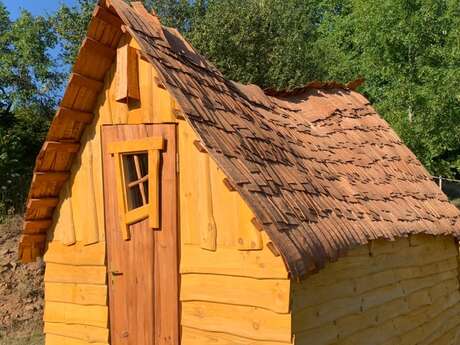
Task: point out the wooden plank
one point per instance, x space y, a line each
53 339
42 203
133 74
93 46
116 252
249 237
127 74
66 114
121 198
56 146
154 189
66 213
89 334
76 314
228 261
47 177
207 223
88 83
58 273
166 251
199 146
273 249
36 226
192 336
139 145
249 322
92 232
136 215
76 255
229 185
83 294
270 294
121 74
107 17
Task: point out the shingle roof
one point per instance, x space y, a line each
320 169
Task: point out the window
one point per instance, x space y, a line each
135 168
137 165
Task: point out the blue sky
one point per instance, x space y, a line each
34 6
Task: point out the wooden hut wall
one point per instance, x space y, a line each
404 292
233 287
234 290
76 308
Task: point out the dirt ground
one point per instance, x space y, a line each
21 291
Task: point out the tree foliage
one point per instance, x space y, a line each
409 53
29 85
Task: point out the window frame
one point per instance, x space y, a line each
152 146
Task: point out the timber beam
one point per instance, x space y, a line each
82 81
65 114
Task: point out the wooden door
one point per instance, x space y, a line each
142 256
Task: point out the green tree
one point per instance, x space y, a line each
269 42
29 85
71 22
409 53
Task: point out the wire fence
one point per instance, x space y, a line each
451 187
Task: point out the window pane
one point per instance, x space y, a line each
129 168
144 165
146 189
135 167
134 198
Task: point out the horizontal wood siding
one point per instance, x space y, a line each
76 309
402 292
270 294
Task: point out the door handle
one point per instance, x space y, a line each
116 273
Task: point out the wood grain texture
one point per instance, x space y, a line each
388 291
249 322
83 294
59 273
191 336
89 334
53 339
146 290
228 261
271 294
76 314
75 255
127 74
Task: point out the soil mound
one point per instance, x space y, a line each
21 291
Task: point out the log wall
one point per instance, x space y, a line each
404 292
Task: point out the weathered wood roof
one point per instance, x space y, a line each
320 169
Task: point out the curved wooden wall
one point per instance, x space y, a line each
404 292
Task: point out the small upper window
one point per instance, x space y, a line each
137 168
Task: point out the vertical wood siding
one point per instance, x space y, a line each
233 288
404 292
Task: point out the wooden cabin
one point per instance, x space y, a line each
173 206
